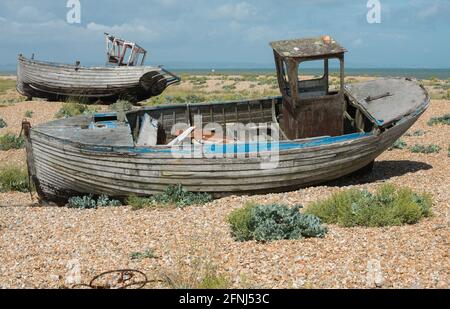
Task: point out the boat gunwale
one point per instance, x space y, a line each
310 143
93 68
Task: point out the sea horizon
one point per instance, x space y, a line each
418 73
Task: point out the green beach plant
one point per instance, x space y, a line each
199 273
445 120
273 222
6 84
89 202
3 123
13 178
399 144
416 133
174 195
121 105
147 254
11 141
388 206
74 109
425 149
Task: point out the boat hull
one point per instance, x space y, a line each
61 168
57 82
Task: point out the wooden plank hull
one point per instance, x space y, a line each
59 81
63 168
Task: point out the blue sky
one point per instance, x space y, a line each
215 33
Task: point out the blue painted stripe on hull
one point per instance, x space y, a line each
238 148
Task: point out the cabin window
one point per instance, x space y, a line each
334 76
314 78
126 56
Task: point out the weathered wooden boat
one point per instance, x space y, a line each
324 134
125 77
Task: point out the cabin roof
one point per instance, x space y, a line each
308 47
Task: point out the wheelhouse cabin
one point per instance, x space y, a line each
311 108
124 53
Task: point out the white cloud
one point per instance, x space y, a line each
126 29
238 11
168 3
357 42
30 13
429 11
261 34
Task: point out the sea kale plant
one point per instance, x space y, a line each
3 123
174 195
89 202
425 149
273 222
439 120
399 144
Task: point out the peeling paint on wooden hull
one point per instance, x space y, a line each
63 168
58 81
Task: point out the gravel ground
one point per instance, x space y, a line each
38 244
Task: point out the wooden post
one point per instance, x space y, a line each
32 179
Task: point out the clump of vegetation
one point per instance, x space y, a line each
147 254
426 149
193 98
3 123
78 100
137 202
448 149
74 109
181 197
439 120
6 84
273 222
213 280
399 144
389 206
199 274
11 141
4 102
416 133
13 178
229 87
89 202
250 77
176 94
29 114
121 105
174 195
198 80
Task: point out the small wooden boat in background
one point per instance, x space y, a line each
324 134
125 77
